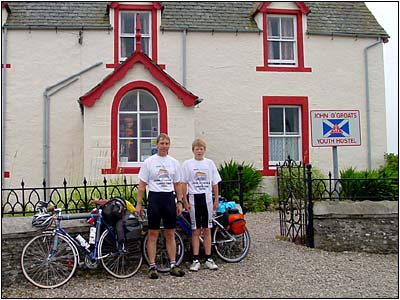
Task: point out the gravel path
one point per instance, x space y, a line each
273 269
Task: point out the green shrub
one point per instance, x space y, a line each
371 185
251 179
294 180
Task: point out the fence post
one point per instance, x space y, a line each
240 173
310 223
23 198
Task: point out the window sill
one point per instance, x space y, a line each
282 69
121 170
268 172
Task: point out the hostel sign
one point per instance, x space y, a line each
331 128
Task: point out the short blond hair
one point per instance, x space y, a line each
198 143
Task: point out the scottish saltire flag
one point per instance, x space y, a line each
335 128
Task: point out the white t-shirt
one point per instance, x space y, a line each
160 173
200 175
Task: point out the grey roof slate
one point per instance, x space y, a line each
61 14
208 16
352 18
342 17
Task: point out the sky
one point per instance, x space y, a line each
387 14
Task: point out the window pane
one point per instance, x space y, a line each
292 120
128 125
273 27
276 149
287 28
127 22
148 125
273 50
292 148
288 50
129 102
276 120
145 45
127 150
127 46
147 102
145 23
145 149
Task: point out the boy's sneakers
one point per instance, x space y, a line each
176 271
210 264
153 274
195 266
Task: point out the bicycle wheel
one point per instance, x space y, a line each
121 261
162 259
228 249
46 268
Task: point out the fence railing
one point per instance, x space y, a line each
298 190
24 201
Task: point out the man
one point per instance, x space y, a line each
200 178
162 174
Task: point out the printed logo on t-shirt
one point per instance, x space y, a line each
200 180
163 178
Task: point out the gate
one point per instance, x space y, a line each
295 207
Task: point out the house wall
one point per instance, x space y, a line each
38 60
221 69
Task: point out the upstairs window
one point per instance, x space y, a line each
127 30
282 40
283 49
138 126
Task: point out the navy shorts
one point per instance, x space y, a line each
161 206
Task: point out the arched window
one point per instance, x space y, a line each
138 126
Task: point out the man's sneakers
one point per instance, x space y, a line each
195 266
176 271
210 264
153 274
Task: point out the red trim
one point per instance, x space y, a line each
7 66
142 7
6 174
300 46
5 5
285 100
303 8
115 169
95 94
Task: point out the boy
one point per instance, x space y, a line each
200 180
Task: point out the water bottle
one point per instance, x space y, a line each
92 235
82 241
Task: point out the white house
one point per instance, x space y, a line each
87 86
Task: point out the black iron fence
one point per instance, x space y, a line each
24 201
298 189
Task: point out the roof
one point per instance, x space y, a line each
348 18
342 17
61 14
209 16
188 99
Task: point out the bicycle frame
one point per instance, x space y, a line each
92 255
186 227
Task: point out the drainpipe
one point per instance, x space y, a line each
46 119
184 33
368 104
3 102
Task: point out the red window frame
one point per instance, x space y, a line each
153 8
300 46
162 106
300 101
